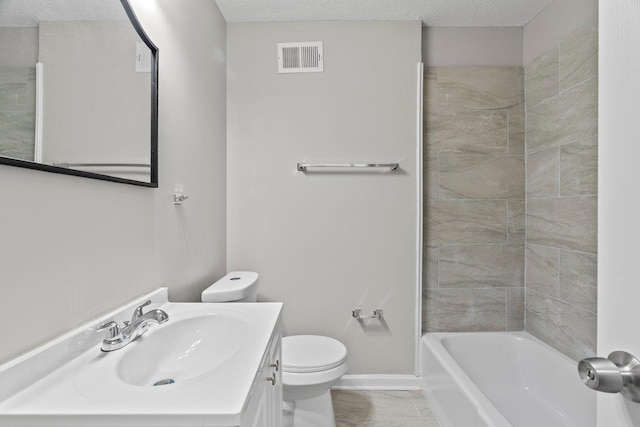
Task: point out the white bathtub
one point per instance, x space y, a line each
503 379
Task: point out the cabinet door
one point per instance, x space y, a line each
274 394
265 405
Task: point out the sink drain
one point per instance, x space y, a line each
164 382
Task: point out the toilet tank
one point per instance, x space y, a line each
237 286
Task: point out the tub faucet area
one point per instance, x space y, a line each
118 337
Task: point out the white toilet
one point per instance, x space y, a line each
311 364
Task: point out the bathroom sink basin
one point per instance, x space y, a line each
179 351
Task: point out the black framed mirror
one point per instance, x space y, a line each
78 90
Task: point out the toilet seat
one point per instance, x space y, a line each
311 353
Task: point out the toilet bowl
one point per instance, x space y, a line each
311 364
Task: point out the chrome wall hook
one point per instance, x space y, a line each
178 198
356 313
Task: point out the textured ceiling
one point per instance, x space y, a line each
436 13
27 13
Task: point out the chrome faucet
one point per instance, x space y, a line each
118 337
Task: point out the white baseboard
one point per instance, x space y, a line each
378 382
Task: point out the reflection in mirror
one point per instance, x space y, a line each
78 90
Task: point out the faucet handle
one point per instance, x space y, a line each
113 329
138 311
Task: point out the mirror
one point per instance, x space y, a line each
78 90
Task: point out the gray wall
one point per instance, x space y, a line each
473 268
327 243
73 248
472 46
557 21
18 47
562 164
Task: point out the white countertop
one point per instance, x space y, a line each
87 391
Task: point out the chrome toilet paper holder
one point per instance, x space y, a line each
356 313
618 373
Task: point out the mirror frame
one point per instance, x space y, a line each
153 182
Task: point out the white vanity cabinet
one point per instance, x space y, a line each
265 402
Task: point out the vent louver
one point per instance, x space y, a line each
300 57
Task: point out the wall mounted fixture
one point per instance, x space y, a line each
357 314
178 198
304 167
178 194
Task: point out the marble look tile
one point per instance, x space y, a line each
478 266
357 407
515 309
568 223
578 279
464 310
13 89
568 329
481 177
430 267
516 221
542 269
579 168
430 177
541 78
516 121
30 103
466 221
420 422
488 88
430 90
421 403
569 117
579 57
466 132
17 135
543 173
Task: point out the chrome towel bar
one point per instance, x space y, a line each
304 167
103 165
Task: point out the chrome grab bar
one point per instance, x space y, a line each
304 167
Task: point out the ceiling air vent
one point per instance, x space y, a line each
300 57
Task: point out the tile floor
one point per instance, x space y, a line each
382 409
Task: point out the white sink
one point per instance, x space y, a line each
212 353
179 351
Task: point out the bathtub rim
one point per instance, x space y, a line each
484 408
432 343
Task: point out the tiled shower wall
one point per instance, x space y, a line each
562 158
474 254
17 112
474 199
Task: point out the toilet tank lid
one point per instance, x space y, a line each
311 353
234 286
